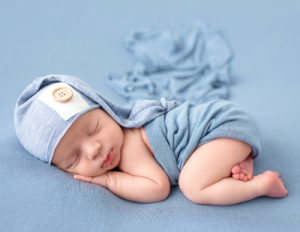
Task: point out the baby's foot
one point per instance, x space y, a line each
272 184
243 170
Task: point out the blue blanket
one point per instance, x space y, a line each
193 65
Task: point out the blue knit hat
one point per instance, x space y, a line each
50 104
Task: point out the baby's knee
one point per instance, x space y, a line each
195 195
191 190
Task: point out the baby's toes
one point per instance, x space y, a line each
236 176
250 176
236 169
242 176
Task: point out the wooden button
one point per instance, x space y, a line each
62 94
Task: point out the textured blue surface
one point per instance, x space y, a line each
83 38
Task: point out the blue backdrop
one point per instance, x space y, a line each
84 39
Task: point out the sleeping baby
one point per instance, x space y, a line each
138 152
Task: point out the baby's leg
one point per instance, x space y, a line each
205 178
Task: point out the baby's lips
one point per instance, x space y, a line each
105 159
108 159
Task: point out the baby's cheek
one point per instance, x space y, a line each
86 170
63 169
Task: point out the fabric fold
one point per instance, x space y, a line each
192 66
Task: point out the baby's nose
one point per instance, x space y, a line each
93 150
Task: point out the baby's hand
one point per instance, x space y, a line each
99 180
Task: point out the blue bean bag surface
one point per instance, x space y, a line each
84 39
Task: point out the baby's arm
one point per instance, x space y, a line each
143 181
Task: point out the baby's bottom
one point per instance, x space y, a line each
205 177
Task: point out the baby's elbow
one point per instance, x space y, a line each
163 190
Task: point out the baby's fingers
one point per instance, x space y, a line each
99 180
84 178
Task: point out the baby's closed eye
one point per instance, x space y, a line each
95 130
75 160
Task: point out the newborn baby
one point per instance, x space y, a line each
138 153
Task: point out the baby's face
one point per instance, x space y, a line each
91 146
